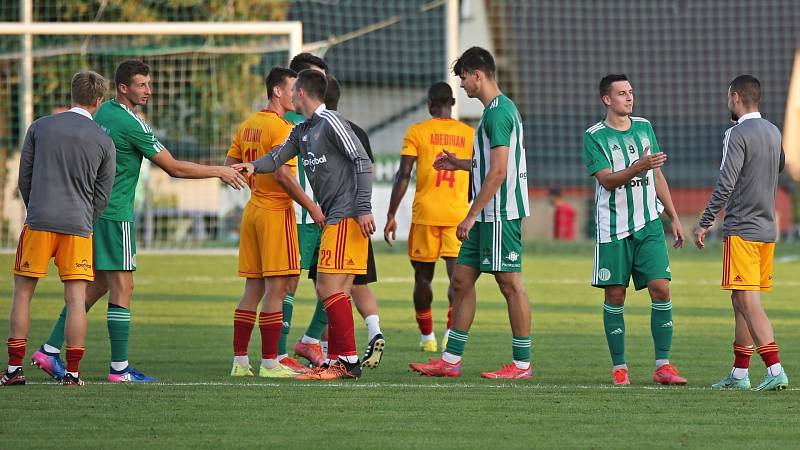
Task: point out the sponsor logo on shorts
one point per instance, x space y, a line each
350 262
668 270
616 331
486 261
26 265
84 264
604 274
513 256
304 138
416 251
667 325
737 279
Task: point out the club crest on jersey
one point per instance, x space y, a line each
312 161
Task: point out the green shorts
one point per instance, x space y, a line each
642 255
493 247
114 245
309 235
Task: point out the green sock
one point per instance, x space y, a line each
288 307
661 327
521 348
456 341
119 330
614 323
318 322
56 338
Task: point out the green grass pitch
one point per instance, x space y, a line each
182 313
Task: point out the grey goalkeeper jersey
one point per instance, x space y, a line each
748 179
335 162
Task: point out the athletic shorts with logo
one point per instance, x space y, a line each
268 243
73 255
493 247
747 265
641 255
370 277
343 249
114 245
427 243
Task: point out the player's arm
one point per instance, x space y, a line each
663 194
288 182
185 169
449 161
277 157
732 161
104 180
498 169
399 188
612 180
26 167
348 143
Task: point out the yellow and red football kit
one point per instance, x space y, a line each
441 198
343 248
747 265
73 255
268 232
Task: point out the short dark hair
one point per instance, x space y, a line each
276 77
127 69
440 94
475 58
305 60
313 83
608 80
332 93
87 87
554 192
749 88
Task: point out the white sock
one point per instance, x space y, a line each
280 357
74 374
451 358
428 337
269 363
350 359
51 349
373 324
242 360
324 346
620 366
12 368
775 369
661 362
524 365
739 373
119 365
308 340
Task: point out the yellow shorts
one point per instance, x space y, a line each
427 243
747 265
73 255
343 249
268 243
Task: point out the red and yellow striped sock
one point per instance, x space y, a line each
769 353
425 321
270 324
341 330
74 356
16 351
243 323
741 355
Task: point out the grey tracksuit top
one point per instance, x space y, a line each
335 162
748 179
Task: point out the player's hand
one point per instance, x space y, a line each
390 230
462 231
317 216
677 233
232 177
447 161
649 161
244 168
700 236
367 224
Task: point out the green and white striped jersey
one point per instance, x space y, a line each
501 125
301 215
630 207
